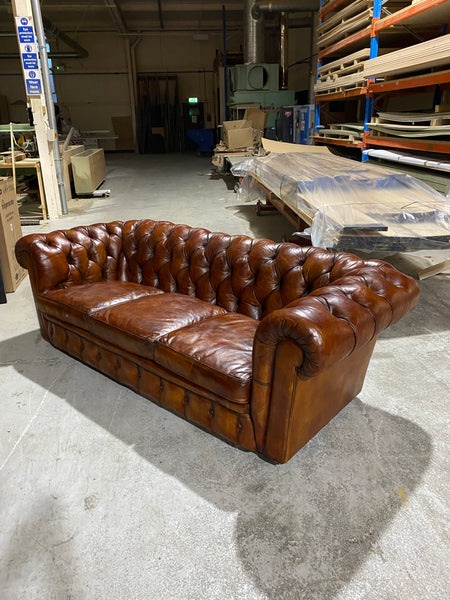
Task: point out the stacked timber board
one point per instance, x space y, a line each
351 18
345 73
354 205
432 53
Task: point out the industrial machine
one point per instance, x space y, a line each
258 83
260 76
295 124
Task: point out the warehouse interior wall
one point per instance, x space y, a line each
93 92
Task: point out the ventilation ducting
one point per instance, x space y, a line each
254 28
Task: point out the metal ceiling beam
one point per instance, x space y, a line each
80 52
50 28
160 14
187 7
116 16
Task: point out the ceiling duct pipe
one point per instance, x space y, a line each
261 7
254 35
284 51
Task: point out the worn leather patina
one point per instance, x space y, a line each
259 343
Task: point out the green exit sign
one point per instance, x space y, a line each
193 100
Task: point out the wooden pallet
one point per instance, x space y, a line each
219 157
343 66
347 81
349 135
337 89
356 128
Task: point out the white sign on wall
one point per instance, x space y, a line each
29 56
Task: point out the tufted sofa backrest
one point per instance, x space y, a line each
238 273
253 277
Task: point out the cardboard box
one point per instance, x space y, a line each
237 134
256 117
67 155
89 170
10 232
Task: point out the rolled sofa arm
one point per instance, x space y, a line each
313 334
70 257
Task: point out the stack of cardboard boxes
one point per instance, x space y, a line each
241 137
10 231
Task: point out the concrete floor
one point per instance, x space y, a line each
104 495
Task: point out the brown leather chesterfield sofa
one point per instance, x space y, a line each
259 343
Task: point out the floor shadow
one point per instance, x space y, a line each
228 179
302 529
269 225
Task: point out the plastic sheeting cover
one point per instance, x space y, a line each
350 204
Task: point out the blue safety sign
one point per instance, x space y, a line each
26 38
34 87
26 35
29 56
30 61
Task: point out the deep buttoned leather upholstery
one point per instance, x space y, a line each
257 342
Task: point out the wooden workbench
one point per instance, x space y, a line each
32 164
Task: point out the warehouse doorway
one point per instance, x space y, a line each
160 126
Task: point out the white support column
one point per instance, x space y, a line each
22 9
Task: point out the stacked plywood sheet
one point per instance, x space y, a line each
355 205
432 53
411 131
339 25
408 117
411 125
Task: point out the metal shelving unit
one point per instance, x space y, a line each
429 12
440 146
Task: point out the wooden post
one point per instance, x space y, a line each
22 8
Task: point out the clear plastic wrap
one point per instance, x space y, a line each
350 204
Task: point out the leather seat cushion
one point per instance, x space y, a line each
215 354
136 325
75 303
